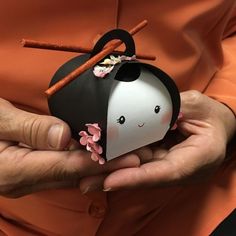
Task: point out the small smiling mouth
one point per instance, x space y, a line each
141 125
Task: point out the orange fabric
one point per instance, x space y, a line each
194 43
223 85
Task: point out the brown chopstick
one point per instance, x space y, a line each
92 61
29 43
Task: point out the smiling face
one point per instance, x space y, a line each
139 113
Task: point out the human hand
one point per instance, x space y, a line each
206 128
32 156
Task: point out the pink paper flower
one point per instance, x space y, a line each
101 71
85 137
95 130
96 157
92 146
106 66
89 140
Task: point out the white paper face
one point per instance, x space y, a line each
139 113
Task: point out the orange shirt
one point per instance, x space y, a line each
194 43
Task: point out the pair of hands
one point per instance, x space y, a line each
36 152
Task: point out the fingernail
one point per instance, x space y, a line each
55 135
86 190
106 189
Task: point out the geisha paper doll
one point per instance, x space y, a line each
117 106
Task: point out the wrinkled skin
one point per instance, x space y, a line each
30 161
191 153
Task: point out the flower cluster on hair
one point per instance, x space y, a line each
107 65
90 140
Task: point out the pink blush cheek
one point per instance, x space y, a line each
113 132
166 118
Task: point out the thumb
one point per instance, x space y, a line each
37 131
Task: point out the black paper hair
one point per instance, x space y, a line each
85 99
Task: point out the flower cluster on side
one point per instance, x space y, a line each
180 116
108 64
90 140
